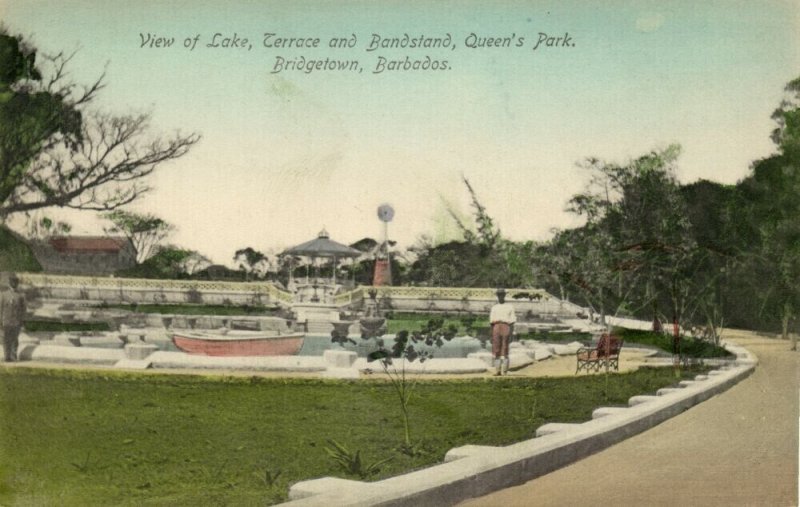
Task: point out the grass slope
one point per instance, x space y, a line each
104 438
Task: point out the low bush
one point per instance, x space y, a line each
690 347
34 326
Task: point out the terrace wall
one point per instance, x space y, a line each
399 299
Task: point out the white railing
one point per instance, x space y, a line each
121 284
403 298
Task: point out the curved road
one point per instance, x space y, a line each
739 448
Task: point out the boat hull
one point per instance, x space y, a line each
227 345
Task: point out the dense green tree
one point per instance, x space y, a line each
593 267
144 230
33 118
639 234
57 151
252 262
169 261
772 192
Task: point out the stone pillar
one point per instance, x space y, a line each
383 273
137 351
340 364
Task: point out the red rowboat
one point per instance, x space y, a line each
238 343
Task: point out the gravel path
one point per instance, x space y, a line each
739 448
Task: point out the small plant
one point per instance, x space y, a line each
413 449
468 322
83 467
434 333
351 463
268 477
530 296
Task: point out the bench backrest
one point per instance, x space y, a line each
609 345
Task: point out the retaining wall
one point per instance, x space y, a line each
535 302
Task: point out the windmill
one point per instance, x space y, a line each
383 267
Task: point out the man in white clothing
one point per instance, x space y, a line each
502 319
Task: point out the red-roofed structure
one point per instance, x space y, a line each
85 255
89 244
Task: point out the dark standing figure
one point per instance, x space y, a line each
502 319
12 313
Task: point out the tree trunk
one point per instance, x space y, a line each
785 318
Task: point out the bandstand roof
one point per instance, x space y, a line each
322 246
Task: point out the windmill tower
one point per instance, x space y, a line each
383 265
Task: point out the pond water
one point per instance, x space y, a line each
316 345
457 347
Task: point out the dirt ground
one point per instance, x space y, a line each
739 448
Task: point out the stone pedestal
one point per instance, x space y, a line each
138 351
339 358
339 364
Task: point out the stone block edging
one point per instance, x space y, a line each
472 471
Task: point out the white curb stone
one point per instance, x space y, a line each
340 358
467 451
164 359
478 470
607 411
319 486
639 399
133 364
550 428
68 354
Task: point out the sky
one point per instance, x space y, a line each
285 152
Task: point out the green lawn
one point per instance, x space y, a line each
109 438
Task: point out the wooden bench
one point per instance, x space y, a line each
605 352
